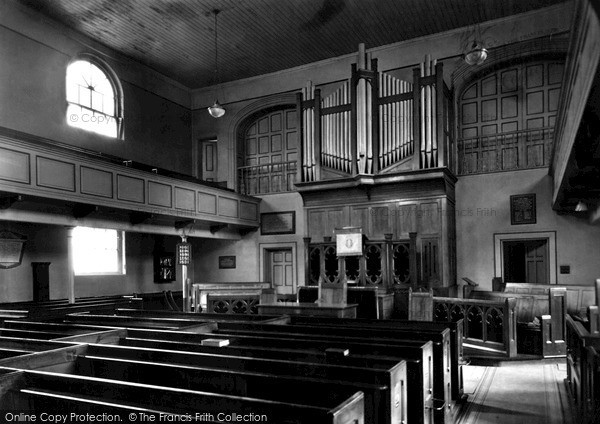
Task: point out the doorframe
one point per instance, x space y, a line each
500 238
197 155
265 248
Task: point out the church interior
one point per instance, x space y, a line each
315 211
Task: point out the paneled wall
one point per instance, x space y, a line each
396 207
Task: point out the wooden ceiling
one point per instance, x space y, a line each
176 37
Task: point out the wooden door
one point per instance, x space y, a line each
281 265
208 160
536 261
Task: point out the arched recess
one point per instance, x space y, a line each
240 120
542 48
505 109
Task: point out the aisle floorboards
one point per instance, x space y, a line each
523 392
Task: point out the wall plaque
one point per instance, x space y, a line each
278 223
226 262
522 209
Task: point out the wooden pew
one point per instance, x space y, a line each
140 322
418 358
378 407
441 349
89 361
204 316
62 392
378 402
417 330
583 374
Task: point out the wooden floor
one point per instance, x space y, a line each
519 392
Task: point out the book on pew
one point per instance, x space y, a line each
215 342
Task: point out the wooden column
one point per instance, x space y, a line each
307 261
388 266
301 158
185 284
417 118
70 266
353 124
317 134
375 117
414 277
440 115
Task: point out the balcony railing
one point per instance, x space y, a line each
274 177
523 149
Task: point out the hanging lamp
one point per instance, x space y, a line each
478 54
216 110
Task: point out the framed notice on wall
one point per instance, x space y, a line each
226 262
278 223
522 209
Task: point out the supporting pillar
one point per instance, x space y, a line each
185 281
70 266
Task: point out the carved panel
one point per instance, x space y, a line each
228 207
207 203
160 194
130 188
57 174
96 182
14 166
248 210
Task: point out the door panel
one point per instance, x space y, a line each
280 268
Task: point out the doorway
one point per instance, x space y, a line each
526 261
279 269
207 160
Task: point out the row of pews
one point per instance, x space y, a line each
583 361
218 368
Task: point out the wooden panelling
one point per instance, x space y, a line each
207 203
380 222
185 199
56 174
228 207
70 176
429 218
406 220
160 194
96 182
130 189
248 210
14 166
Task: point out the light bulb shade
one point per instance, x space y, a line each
216 110
476 56
581 207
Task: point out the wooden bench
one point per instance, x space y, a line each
204 317
177 341
139 322
418 357
417 330
440 374
583 371
62 392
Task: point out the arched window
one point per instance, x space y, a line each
94 98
